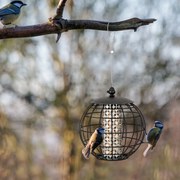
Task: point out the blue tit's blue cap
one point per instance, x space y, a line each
20 2
158 124
100 129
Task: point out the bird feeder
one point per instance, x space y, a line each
124 126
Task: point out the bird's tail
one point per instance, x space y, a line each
146 150
86 152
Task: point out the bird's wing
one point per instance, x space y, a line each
153 136
98 141
7 10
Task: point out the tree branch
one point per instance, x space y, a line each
133 23
60 9
62 25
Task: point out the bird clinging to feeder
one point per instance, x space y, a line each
153 136
94 141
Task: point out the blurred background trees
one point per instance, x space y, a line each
44 88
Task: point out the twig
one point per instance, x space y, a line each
60 9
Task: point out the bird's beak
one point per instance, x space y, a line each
24 4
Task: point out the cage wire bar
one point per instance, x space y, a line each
124 126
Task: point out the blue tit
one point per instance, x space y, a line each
10 12
153 136
94 141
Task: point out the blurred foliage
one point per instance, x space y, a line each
44 88
15 155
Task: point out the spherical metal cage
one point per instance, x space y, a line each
124 126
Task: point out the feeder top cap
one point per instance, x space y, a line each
111 92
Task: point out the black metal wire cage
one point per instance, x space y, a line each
124 126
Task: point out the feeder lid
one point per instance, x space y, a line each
112 99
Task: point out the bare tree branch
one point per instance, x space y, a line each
63 25
60 9
133 23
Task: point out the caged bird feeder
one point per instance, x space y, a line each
124 126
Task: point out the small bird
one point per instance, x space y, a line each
153 136
10 12
94 141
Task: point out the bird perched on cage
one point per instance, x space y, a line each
94 141
10 12
153 136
